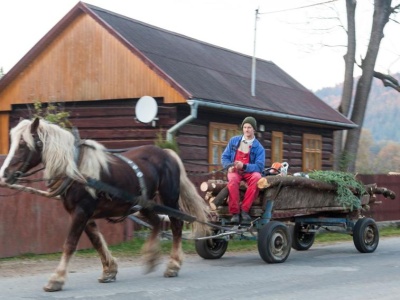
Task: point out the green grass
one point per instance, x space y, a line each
133 247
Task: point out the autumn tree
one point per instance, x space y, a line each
365 163
388 158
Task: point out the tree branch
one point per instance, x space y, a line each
388 81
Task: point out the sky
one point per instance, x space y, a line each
303 37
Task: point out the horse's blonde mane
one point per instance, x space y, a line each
58 152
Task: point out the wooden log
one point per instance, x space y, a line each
373 189
384 192
213 185
394 173
208 196
300 182
220 198
211 203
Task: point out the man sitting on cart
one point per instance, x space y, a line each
246 158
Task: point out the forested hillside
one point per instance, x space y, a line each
383 111
379 150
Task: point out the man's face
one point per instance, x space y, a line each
248 131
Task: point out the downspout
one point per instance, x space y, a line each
193 115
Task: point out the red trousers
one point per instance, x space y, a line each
251 194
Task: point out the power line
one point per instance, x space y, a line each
296 8
253 65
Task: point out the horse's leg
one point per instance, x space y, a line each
110 266
151 249
176 256
57 279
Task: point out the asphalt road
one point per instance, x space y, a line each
325 272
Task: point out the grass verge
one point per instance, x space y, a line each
133 247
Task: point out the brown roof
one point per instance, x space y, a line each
207 72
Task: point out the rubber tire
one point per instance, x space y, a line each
274 242
366 235
211 248
301 241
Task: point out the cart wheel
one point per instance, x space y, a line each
301 241
211 248
366 235
274 242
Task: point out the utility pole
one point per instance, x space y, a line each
253 65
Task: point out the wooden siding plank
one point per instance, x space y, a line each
86 63
113 130
193 140
4 132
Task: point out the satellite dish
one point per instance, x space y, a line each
146 109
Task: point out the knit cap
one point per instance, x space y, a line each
251 121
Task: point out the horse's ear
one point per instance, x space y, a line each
35 125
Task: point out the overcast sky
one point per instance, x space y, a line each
289 33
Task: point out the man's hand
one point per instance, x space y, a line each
238 165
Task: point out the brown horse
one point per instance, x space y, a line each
141 173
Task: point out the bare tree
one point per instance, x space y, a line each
347 93
382 12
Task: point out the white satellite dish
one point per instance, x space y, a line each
146 109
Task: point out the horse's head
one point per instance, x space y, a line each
25 151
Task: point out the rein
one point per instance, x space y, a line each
222 170
32 172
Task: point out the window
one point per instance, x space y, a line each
219 137
312 152
276 147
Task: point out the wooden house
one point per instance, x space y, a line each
97 64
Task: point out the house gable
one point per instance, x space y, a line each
84 62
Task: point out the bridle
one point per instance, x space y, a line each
21 172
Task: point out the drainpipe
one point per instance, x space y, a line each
193 115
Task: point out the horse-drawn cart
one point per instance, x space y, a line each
97 183
288 213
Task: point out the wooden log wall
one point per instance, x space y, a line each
111 123
293 144
193 143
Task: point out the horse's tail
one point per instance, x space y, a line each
190 201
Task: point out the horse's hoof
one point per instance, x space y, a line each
53 286
171 273
108 277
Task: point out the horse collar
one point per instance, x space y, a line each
138 172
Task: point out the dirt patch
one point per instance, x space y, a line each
28 267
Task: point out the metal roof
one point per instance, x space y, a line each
220 75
